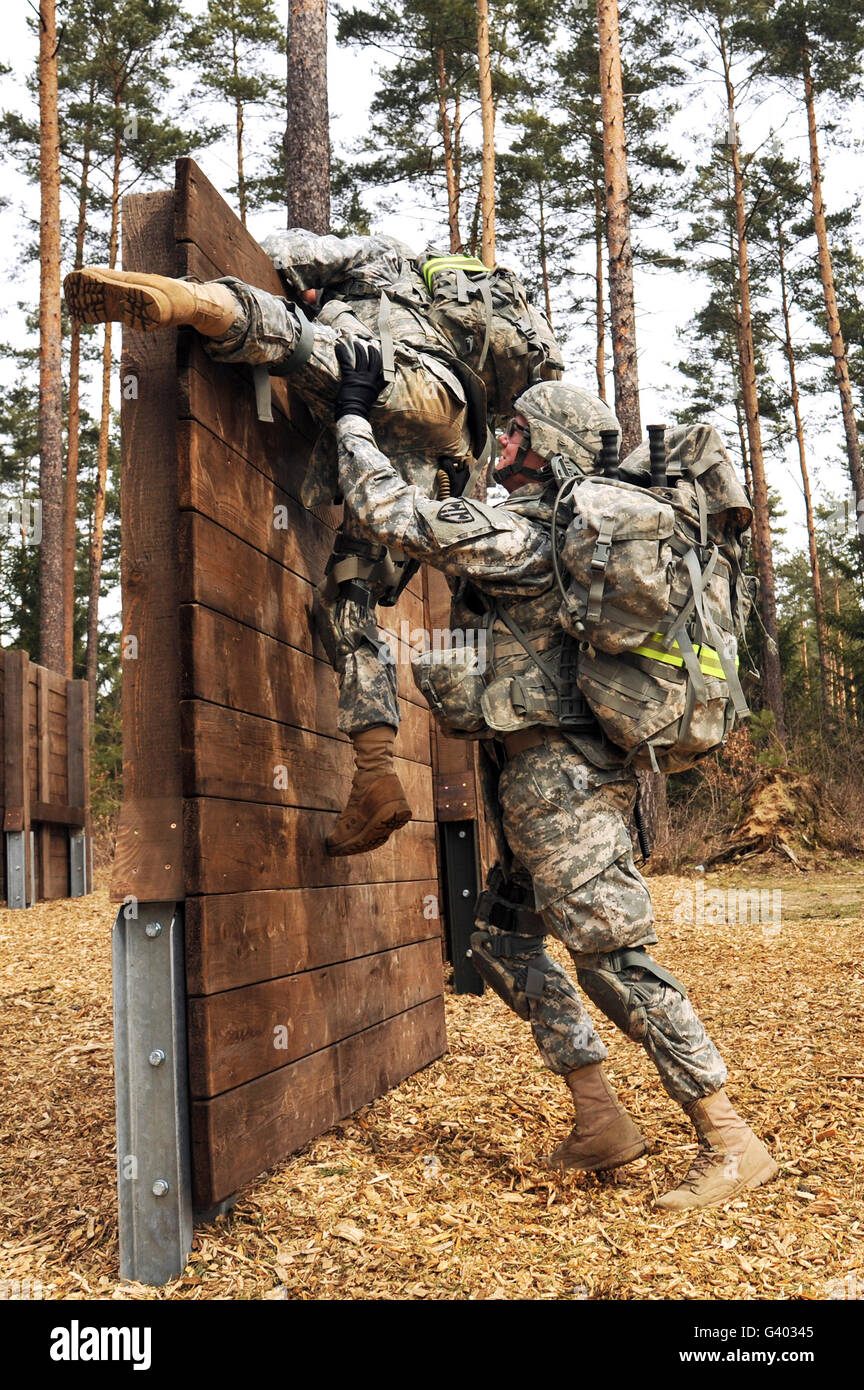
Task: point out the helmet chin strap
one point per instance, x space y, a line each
511 469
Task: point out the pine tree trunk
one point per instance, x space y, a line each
98 529
841 700
806 666
487 114
620 246
773 675
838 346
238 113
544 254
307 133
51 647
599 312
70 500
816 579
449 162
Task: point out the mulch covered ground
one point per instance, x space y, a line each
434 1191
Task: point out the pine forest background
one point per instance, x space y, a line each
483 124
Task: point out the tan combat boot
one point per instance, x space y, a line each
98 295
377 805
730 1158
604 1135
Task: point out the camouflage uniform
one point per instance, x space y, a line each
565 804
422 414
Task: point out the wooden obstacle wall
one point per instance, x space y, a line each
314 983
44 777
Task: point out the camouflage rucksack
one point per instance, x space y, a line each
494 330
652 586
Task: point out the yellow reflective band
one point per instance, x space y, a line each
469 263
709 661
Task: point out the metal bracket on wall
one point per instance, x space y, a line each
16 868
154 1168
78 859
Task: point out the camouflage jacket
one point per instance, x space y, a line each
356 271
499 561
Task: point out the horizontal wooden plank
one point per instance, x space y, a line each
234 846
240 756
231 577
241 1133
243 1033
218 482
235 939
232 664
57 815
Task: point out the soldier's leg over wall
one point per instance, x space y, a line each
568 823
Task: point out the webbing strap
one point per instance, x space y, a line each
713 634
303 347
352 567
638 956
506 944
684 615
524 641
263 401
486 296
462 294
599 561
388 360
694 667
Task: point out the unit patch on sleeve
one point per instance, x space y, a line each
458 520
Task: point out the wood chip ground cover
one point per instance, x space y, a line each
435 1190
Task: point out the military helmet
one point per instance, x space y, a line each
565 419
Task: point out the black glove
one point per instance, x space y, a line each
457 475
362 378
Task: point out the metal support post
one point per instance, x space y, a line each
16 869
459 854
154 1171
78 884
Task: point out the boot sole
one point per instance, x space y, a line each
373 836
764 1173
615 1161
94 297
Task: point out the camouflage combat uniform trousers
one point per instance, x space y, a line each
422 414
566 823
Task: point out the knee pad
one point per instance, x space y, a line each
622 984
517 982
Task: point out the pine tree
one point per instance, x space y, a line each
819 44
228 46
50 351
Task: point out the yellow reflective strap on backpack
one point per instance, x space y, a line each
436 263
709 660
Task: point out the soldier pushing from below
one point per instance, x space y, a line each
565 797
434 409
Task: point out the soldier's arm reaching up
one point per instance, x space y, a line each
504 553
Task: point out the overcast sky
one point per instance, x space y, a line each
665 301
